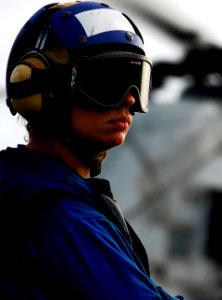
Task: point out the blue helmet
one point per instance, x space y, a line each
79 27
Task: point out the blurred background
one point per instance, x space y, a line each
167 178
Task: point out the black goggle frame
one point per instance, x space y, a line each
106 79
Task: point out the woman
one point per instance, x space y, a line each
77 73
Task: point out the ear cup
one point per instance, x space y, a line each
22 72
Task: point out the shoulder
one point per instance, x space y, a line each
33 182
35 172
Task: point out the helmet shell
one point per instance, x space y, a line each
80 26
91 24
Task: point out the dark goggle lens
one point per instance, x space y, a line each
108 80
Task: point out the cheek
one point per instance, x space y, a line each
84 123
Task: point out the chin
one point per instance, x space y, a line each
116 142
111 142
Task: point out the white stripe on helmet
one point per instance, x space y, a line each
98 21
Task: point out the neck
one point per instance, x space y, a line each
55 148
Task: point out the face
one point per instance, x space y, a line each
102 130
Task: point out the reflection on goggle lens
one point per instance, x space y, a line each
107 79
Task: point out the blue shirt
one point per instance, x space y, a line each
60 239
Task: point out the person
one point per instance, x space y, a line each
76 74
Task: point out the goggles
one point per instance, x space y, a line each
106 79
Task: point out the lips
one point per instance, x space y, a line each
121 123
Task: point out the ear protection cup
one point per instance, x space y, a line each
22 74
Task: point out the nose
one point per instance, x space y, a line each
129 100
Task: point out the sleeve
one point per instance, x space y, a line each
88 258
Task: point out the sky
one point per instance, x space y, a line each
201 16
